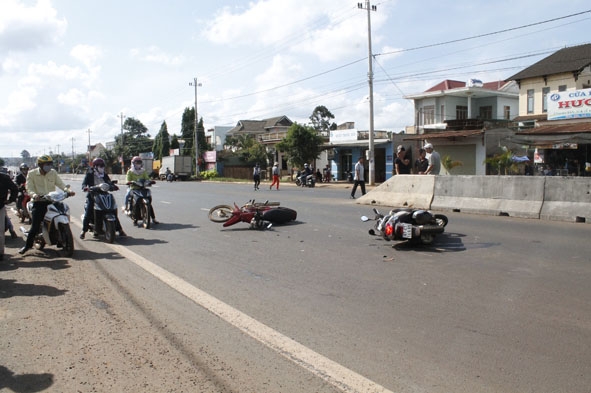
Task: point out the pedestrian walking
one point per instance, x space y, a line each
359 178
275 172
256 174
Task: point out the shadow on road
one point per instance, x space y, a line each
10 288
24 382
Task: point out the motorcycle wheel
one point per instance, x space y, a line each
441 220
109 231
220 213
67 239
146 219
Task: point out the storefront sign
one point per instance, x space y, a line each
343 136
575 104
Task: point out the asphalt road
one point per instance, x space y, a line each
497 304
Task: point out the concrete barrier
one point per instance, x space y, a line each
414 191
567 199
516 196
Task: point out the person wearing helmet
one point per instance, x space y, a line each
41 181
135 173
96 176
21 180
305 173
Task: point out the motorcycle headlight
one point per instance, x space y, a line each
104 187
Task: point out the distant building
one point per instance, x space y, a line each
555 110
464 120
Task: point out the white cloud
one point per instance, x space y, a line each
154 54
86 54
327 29
24 28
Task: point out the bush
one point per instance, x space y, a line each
206 175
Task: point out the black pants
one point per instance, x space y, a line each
360 183
257 181
37 214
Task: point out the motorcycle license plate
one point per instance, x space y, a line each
407 231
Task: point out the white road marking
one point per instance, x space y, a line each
340 377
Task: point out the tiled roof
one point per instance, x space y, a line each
571 128
443 135
572 59
259 126
449 84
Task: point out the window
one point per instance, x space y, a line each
545 91
507 112
530 101
461 112
486 112
562 88
429 114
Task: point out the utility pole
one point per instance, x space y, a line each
88 146
194 83
121 159
370 157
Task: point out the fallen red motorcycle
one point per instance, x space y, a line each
259 215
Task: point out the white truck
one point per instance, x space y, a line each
180 166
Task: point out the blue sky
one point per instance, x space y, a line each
69 66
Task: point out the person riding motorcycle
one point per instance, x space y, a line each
95 176
21 180
41 181
135 173
304 175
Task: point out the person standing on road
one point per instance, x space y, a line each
402 164
40 182
6 187
359 178
275 172
256 174
434 160
421 164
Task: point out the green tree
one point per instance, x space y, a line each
302 144
188 132
502 162
321 118
161 146
174 142
136 139
448 163
248 149
2 161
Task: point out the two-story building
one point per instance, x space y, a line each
555 111
466 121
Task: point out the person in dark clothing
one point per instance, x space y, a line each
421 164
7 187
402 164
94 177
21 181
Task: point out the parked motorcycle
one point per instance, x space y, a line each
415 225
103 218
258 215
140 203
55 228
21 210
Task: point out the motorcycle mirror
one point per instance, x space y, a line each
364 218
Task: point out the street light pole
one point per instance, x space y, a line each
194 83
122 158
370 8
